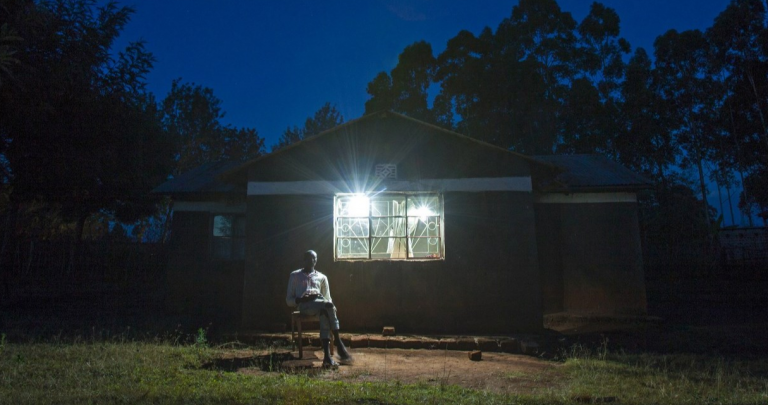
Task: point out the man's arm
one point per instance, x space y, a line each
325 289
290 296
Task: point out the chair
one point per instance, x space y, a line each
296 329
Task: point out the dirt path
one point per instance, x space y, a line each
496 372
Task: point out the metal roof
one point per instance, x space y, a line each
365 119
593 172
203 179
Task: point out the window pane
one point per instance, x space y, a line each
222 225
423 227
352 248
388 206
388 226
423 205
388 248
425 248
352 227
352 206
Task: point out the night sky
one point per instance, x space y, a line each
275 63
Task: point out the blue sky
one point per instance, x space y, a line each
275 63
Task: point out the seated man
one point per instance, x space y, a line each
308 289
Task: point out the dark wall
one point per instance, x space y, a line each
549 242
208 291
591 258
488 282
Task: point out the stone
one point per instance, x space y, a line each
466 344
475 355
388 331
488 345
510 346
359 341
529 347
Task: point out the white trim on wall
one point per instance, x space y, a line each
587 198
209 206
435 185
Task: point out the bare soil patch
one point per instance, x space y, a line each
496 372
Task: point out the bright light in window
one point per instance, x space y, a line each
422 212
358 206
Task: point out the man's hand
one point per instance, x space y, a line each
306 298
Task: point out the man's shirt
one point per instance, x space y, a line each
301 284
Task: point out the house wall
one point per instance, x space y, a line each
488 282
591 258
208 291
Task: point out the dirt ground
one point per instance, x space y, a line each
496 372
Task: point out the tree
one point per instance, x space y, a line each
192 116
325 118
689 89
644 140
79 129
404 90
739 39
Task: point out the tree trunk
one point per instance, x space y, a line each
730 204
720 199
167 223
704 202
757 103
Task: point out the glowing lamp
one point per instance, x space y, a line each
422 212
358 206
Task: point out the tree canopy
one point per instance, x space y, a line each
77 128
543 83
324 119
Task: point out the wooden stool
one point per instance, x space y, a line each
296 329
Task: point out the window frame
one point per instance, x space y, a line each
233 238
406 196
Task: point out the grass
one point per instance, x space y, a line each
665 378
120 370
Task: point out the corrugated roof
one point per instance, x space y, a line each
594 172
203 179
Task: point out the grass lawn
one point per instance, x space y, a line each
118 370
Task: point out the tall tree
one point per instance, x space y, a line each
325 118
79 129
689 89
739 38
644 141
404 90
192 116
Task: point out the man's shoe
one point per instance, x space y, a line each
329 363
345 358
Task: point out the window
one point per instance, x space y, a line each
388 226
228 242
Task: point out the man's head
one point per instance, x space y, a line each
310 260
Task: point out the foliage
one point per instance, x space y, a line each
192 116
404 90
77 128
325 118
544 83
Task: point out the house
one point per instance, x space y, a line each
415 226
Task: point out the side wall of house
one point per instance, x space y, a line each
208 292
591 258
488 282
